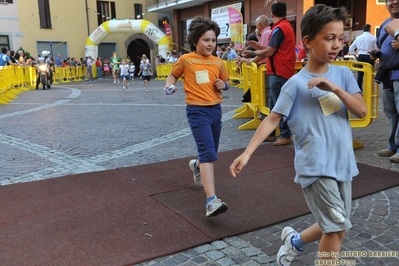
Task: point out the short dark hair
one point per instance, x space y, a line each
279 9
367 27
4 50
319 15
198 26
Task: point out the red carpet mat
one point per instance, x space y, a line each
134 214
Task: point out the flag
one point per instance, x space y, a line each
236 27
168 33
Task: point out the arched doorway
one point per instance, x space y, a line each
136 49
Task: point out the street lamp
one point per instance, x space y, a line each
51 50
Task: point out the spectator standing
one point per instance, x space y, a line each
172 58
204 79
231 54
218 51
99 65
264 30
225 54
262 26
89 63
5 58
115 61
107 69
161 59
280 63
12 57
389 67
364 44
232 46
58 61
325 163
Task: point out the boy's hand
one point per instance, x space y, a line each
170 90
322 83
219 84
238 164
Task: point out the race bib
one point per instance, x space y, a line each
330 104
202 76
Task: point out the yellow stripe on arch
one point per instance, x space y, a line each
164 40
90 42
144 25
106 26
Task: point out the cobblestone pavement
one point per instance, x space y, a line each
84 127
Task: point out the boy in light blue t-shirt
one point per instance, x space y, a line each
315 103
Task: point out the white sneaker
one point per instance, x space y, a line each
287 252
124 87
215 207
114 81
196 172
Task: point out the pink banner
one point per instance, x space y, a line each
236 27
168 33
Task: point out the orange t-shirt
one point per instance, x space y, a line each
200 74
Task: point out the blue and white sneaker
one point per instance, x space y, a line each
287 252
196 172
215 207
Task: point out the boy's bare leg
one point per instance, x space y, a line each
328 242
208 179
312 233
331 242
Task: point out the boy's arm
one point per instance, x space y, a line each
354 103
171 80
264 129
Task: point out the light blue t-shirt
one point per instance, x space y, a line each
4 59
323 144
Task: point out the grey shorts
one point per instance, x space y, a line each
330 202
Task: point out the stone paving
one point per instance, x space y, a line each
84 127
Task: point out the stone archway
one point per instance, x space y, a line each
126 26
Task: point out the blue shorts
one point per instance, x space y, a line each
125 76
206 124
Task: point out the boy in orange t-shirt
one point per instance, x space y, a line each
204 79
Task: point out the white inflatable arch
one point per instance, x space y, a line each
126 26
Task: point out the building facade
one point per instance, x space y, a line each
361 12
62 27
10 33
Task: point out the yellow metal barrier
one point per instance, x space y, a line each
16 79
235 74
254 78
250 109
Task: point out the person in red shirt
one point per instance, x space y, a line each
99 65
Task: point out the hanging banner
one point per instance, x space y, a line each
236 27
221 16
168 33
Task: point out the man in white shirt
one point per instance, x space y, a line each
364 44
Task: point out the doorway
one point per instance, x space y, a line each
135 50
